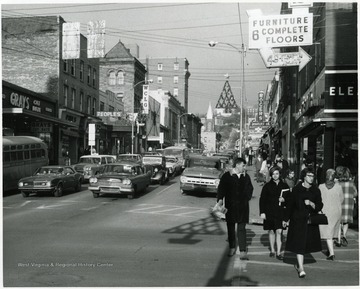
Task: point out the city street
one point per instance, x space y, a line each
161 238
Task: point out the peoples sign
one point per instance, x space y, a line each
280 30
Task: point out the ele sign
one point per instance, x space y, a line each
280 30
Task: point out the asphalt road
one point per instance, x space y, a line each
161 238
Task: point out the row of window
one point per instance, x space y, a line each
160 79
116 77
176 66
23 155
70 67
69 101
102 107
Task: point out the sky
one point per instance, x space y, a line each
177 29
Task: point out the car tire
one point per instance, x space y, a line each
58 191
96 195
25 194
78 186
162 180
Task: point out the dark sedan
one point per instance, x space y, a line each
51 179
160 173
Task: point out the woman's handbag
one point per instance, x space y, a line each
318 219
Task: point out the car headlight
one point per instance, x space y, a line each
126 182
21 184
93 180
217 182
183 179
156 170
87 169
48 184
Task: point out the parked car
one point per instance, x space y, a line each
90 165
130 157
125 178
203 174
160 173
173 165
51 179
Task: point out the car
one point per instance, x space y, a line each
90 165
51 179
202 174
173 165
160 173
124 178
152 154
130 157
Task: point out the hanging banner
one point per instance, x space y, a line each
145 100
96 39
260 117
71 40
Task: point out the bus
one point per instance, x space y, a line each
22 155
181 152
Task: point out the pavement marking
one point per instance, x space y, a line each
168 208
163 190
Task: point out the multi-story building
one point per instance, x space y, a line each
32 59
170 74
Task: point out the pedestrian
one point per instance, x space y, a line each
283 171
350 193
303 238
290 179
250 156
265 166
236 187
332 197
272 206
257 162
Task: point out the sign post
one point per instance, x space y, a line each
91 136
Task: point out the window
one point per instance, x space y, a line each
66 65
94 77
66 95
112 78
72 67
176 79
73 95
102 106
81 70
176 92
159 79
88 104
93 106
160 66
120 77
89 74
111 108
81 101
176 65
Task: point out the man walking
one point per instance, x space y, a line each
236 187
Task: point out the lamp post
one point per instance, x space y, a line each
133 119
180 116
242 52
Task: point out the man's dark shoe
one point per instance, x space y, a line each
232 252
243 255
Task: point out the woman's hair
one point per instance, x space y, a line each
330 175
288 171
306 171
343 173
273 169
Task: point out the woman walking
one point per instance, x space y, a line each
272 205
332 198
302 238
350 192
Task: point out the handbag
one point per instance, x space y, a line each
318 219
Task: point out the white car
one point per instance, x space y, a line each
91 165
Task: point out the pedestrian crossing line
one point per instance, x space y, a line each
147 208
181 214
163 190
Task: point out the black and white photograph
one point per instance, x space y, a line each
179 144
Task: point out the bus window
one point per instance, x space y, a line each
33 154
13 156
26 155
6 157
19 155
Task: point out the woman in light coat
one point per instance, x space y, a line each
332 197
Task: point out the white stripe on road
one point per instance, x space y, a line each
163 190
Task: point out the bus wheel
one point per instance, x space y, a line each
58 191
25 194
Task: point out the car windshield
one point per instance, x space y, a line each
170 160
152 160
88 160
46 171
173 152
127 158
118 169
207 163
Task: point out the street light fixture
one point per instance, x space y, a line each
133 118
180 116
242 52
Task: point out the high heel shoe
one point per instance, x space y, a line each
331 258
301 273
344 242
337 244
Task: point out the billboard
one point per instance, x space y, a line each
96 39
71 40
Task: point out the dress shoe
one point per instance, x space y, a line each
272 254
344 242
337 244
232 252
331 258
280 257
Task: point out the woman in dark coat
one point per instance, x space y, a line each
303 238
272 206
236 187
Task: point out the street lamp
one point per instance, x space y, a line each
242 52
133 117
180 116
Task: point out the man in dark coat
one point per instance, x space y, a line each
236 187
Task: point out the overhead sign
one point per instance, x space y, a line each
96 39
280 30
260 116
273 59
71 40
146 99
